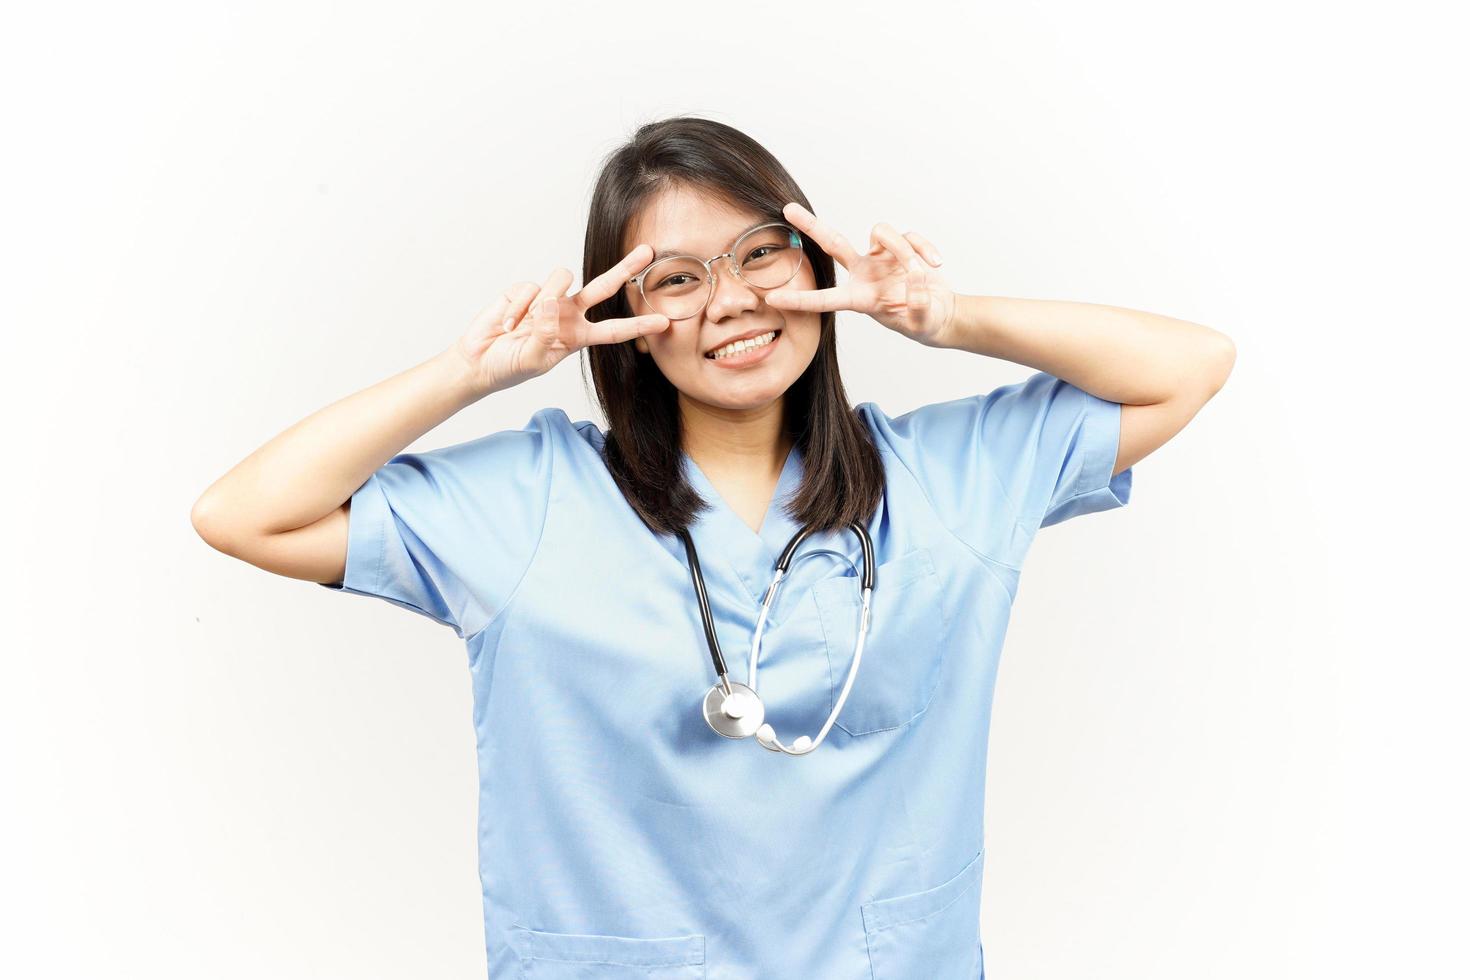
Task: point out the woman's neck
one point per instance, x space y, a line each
750 443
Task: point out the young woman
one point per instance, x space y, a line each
629 826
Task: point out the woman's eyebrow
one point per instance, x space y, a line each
667 252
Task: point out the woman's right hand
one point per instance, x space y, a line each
530 328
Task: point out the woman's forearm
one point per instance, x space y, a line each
1123 355
313 467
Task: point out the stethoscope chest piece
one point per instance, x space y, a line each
735 715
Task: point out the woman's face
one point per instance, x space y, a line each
682 220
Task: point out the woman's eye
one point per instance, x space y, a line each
670 281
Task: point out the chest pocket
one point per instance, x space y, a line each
904 651
569 956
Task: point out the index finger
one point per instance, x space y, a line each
613 279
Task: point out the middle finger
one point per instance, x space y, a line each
830 240
607 284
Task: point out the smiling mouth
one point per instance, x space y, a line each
717 355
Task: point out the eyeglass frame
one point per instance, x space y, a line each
709 268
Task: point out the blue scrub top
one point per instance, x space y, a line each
619 836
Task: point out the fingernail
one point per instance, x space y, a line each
937 259
505 324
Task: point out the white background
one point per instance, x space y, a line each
1230 728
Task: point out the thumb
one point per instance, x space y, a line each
548 326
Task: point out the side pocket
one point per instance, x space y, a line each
933 934
572 956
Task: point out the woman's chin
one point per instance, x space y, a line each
742 394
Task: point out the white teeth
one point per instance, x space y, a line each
740 346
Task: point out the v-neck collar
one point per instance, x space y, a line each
776 528
720 532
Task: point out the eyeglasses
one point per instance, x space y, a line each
680 286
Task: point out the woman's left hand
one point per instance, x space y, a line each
891 283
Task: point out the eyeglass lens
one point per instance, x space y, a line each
680 286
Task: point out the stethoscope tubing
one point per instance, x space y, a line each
711 638
765 734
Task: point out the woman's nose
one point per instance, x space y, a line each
731 294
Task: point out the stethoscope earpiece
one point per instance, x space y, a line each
735 710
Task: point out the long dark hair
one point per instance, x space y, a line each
843 473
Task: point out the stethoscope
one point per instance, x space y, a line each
735 710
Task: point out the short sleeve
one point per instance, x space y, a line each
448 533
1001 465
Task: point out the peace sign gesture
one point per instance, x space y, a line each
529 329
890 283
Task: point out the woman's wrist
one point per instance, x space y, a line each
459 376
968 328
